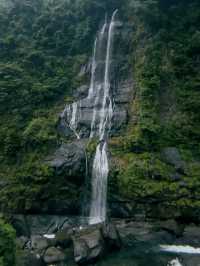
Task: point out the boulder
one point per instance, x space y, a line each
63 237
133 233
69 160
39 243
88 245
191 236
111 236
54 255
171 226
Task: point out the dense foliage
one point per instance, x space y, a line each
43 44
7 244
166 69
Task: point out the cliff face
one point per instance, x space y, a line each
156 162
154 141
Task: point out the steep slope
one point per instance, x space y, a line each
156 162
154 156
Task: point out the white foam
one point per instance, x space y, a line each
180 249
52 236
174 262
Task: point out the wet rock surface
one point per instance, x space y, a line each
53 255
88 245
68 243
122 96
70 160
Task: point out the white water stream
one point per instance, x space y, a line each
100 164
99 98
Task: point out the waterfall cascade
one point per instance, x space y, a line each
100 164
100 98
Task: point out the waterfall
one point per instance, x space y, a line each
99 185
100 165
72 111
101 108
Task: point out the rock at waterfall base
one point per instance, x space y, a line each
88 246
54 255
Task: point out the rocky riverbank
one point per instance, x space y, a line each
54 240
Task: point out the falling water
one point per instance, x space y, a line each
99 97
99 185
100 164
90 94
72 110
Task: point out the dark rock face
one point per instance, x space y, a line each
122 96
70 160
121 87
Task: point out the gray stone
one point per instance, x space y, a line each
80 250
88 245
132 233
191 236
70 160
171 226
39 242
111 236
54 255
63 237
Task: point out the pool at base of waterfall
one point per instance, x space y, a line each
143 255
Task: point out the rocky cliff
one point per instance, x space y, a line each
154 139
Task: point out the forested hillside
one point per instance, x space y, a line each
45 57
159 153
44 44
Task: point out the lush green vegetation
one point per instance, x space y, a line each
43 44
166 69
7 244
42 47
